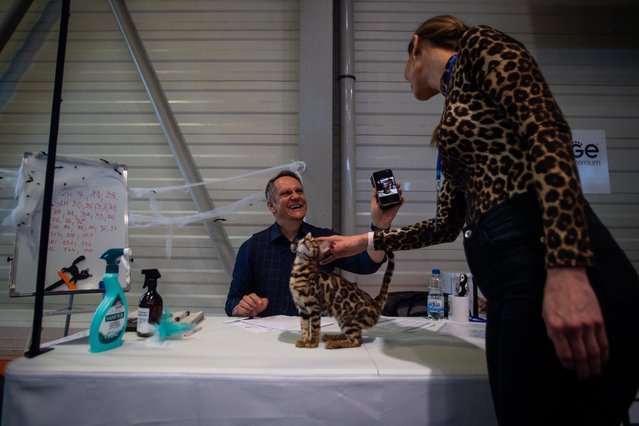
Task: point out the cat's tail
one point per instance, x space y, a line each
390 267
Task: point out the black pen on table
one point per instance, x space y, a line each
183 315
236 319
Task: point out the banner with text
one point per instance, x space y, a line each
591 154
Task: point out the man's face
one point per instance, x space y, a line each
290 202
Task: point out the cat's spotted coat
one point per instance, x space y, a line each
318 293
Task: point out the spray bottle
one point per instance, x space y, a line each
109 321
150 307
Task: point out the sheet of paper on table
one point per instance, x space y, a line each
291 323
471 332
405 324
273 323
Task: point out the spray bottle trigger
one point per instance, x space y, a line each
125 263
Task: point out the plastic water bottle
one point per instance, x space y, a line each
435 304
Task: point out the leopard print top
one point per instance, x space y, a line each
501 134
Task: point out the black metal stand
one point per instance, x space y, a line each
36 332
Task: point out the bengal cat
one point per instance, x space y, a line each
318 293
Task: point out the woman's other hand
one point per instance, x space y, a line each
574 321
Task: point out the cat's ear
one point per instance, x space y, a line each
309 235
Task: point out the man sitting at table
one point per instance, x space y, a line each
263 264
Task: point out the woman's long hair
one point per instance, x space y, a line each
443 31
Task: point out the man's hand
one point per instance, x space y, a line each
574 321
250 306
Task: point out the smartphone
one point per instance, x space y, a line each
387 192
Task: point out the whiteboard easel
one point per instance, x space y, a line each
88 216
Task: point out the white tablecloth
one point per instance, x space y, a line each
227 375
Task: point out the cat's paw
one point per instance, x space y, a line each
337 344
313 343
333 344
331 337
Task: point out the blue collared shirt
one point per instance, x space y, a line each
263 266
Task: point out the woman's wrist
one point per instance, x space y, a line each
377 228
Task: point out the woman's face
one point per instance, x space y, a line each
421 71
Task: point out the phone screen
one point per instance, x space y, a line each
387 192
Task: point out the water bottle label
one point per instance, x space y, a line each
436 305
435 308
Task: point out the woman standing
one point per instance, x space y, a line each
562 341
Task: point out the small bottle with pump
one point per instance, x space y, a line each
150 307
435 301
109 321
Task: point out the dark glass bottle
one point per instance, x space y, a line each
151 306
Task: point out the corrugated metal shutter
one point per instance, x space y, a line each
230 72
590 57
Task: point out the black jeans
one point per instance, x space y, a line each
505 253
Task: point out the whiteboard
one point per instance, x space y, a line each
88 216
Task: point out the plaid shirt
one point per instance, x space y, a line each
263 266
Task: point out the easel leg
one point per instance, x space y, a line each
68 320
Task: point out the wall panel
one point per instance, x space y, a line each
230 72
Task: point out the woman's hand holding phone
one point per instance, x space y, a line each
387 189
